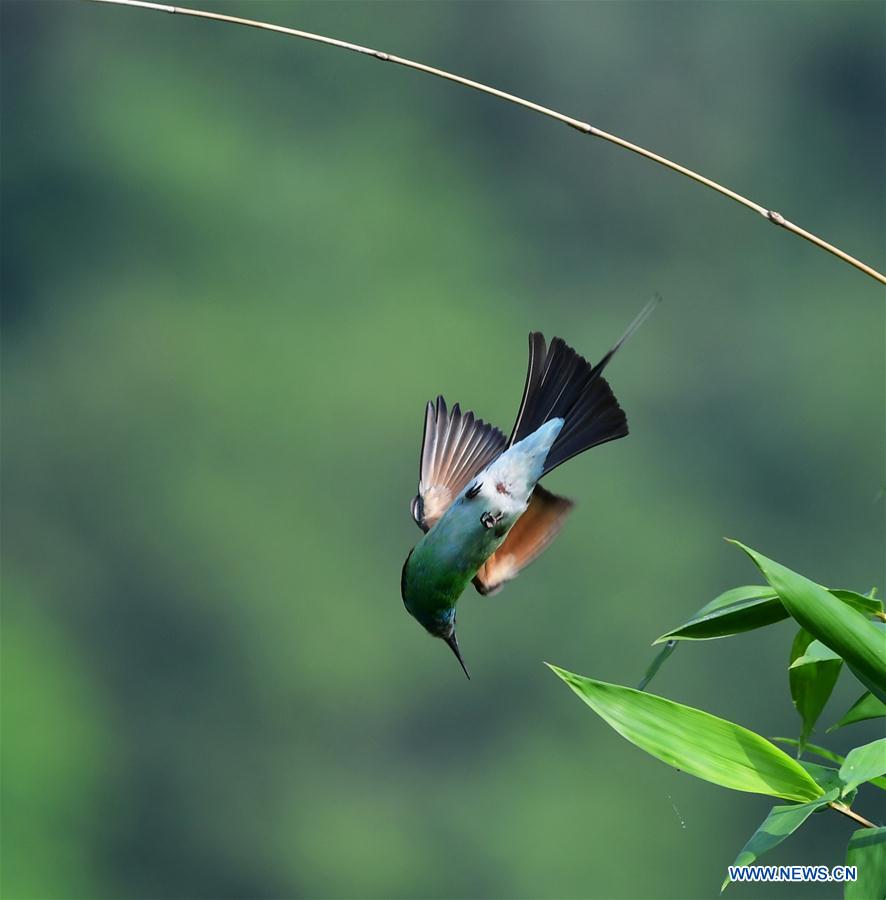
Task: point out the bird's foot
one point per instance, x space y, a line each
488 520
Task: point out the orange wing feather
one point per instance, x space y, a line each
534 531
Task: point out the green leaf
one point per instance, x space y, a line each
842 628
864 603
866 707
656 664
749 607
863 764
781 822
867 851
813 672
826 777
826 754
812 748
737 610
815 652
696 742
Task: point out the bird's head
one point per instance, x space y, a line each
440 622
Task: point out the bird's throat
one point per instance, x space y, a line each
446 559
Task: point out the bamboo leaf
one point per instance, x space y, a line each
827 754
866 707
826 777
812 674
737 610
751 606
781 822
812 748
815 652
863 764
842 628
696 742
864 603
656 664
867 851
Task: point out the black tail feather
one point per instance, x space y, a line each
562 384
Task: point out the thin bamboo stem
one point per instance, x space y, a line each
846 811
774 217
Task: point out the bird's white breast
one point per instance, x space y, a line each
508 481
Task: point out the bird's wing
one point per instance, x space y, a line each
456 446
535 529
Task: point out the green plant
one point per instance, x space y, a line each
837 627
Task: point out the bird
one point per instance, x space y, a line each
484 515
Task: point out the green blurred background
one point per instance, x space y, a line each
235 266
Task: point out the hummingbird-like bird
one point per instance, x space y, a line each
484 514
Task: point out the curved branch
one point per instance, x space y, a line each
774 217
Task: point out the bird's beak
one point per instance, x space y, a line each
453 644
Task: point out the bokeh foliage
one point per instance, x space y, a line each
234 269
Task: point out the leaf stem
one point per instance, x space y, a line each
846 811
770 215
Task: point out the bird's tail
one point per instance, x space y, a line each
562 384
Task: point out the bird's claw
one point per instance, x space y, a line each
488 520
